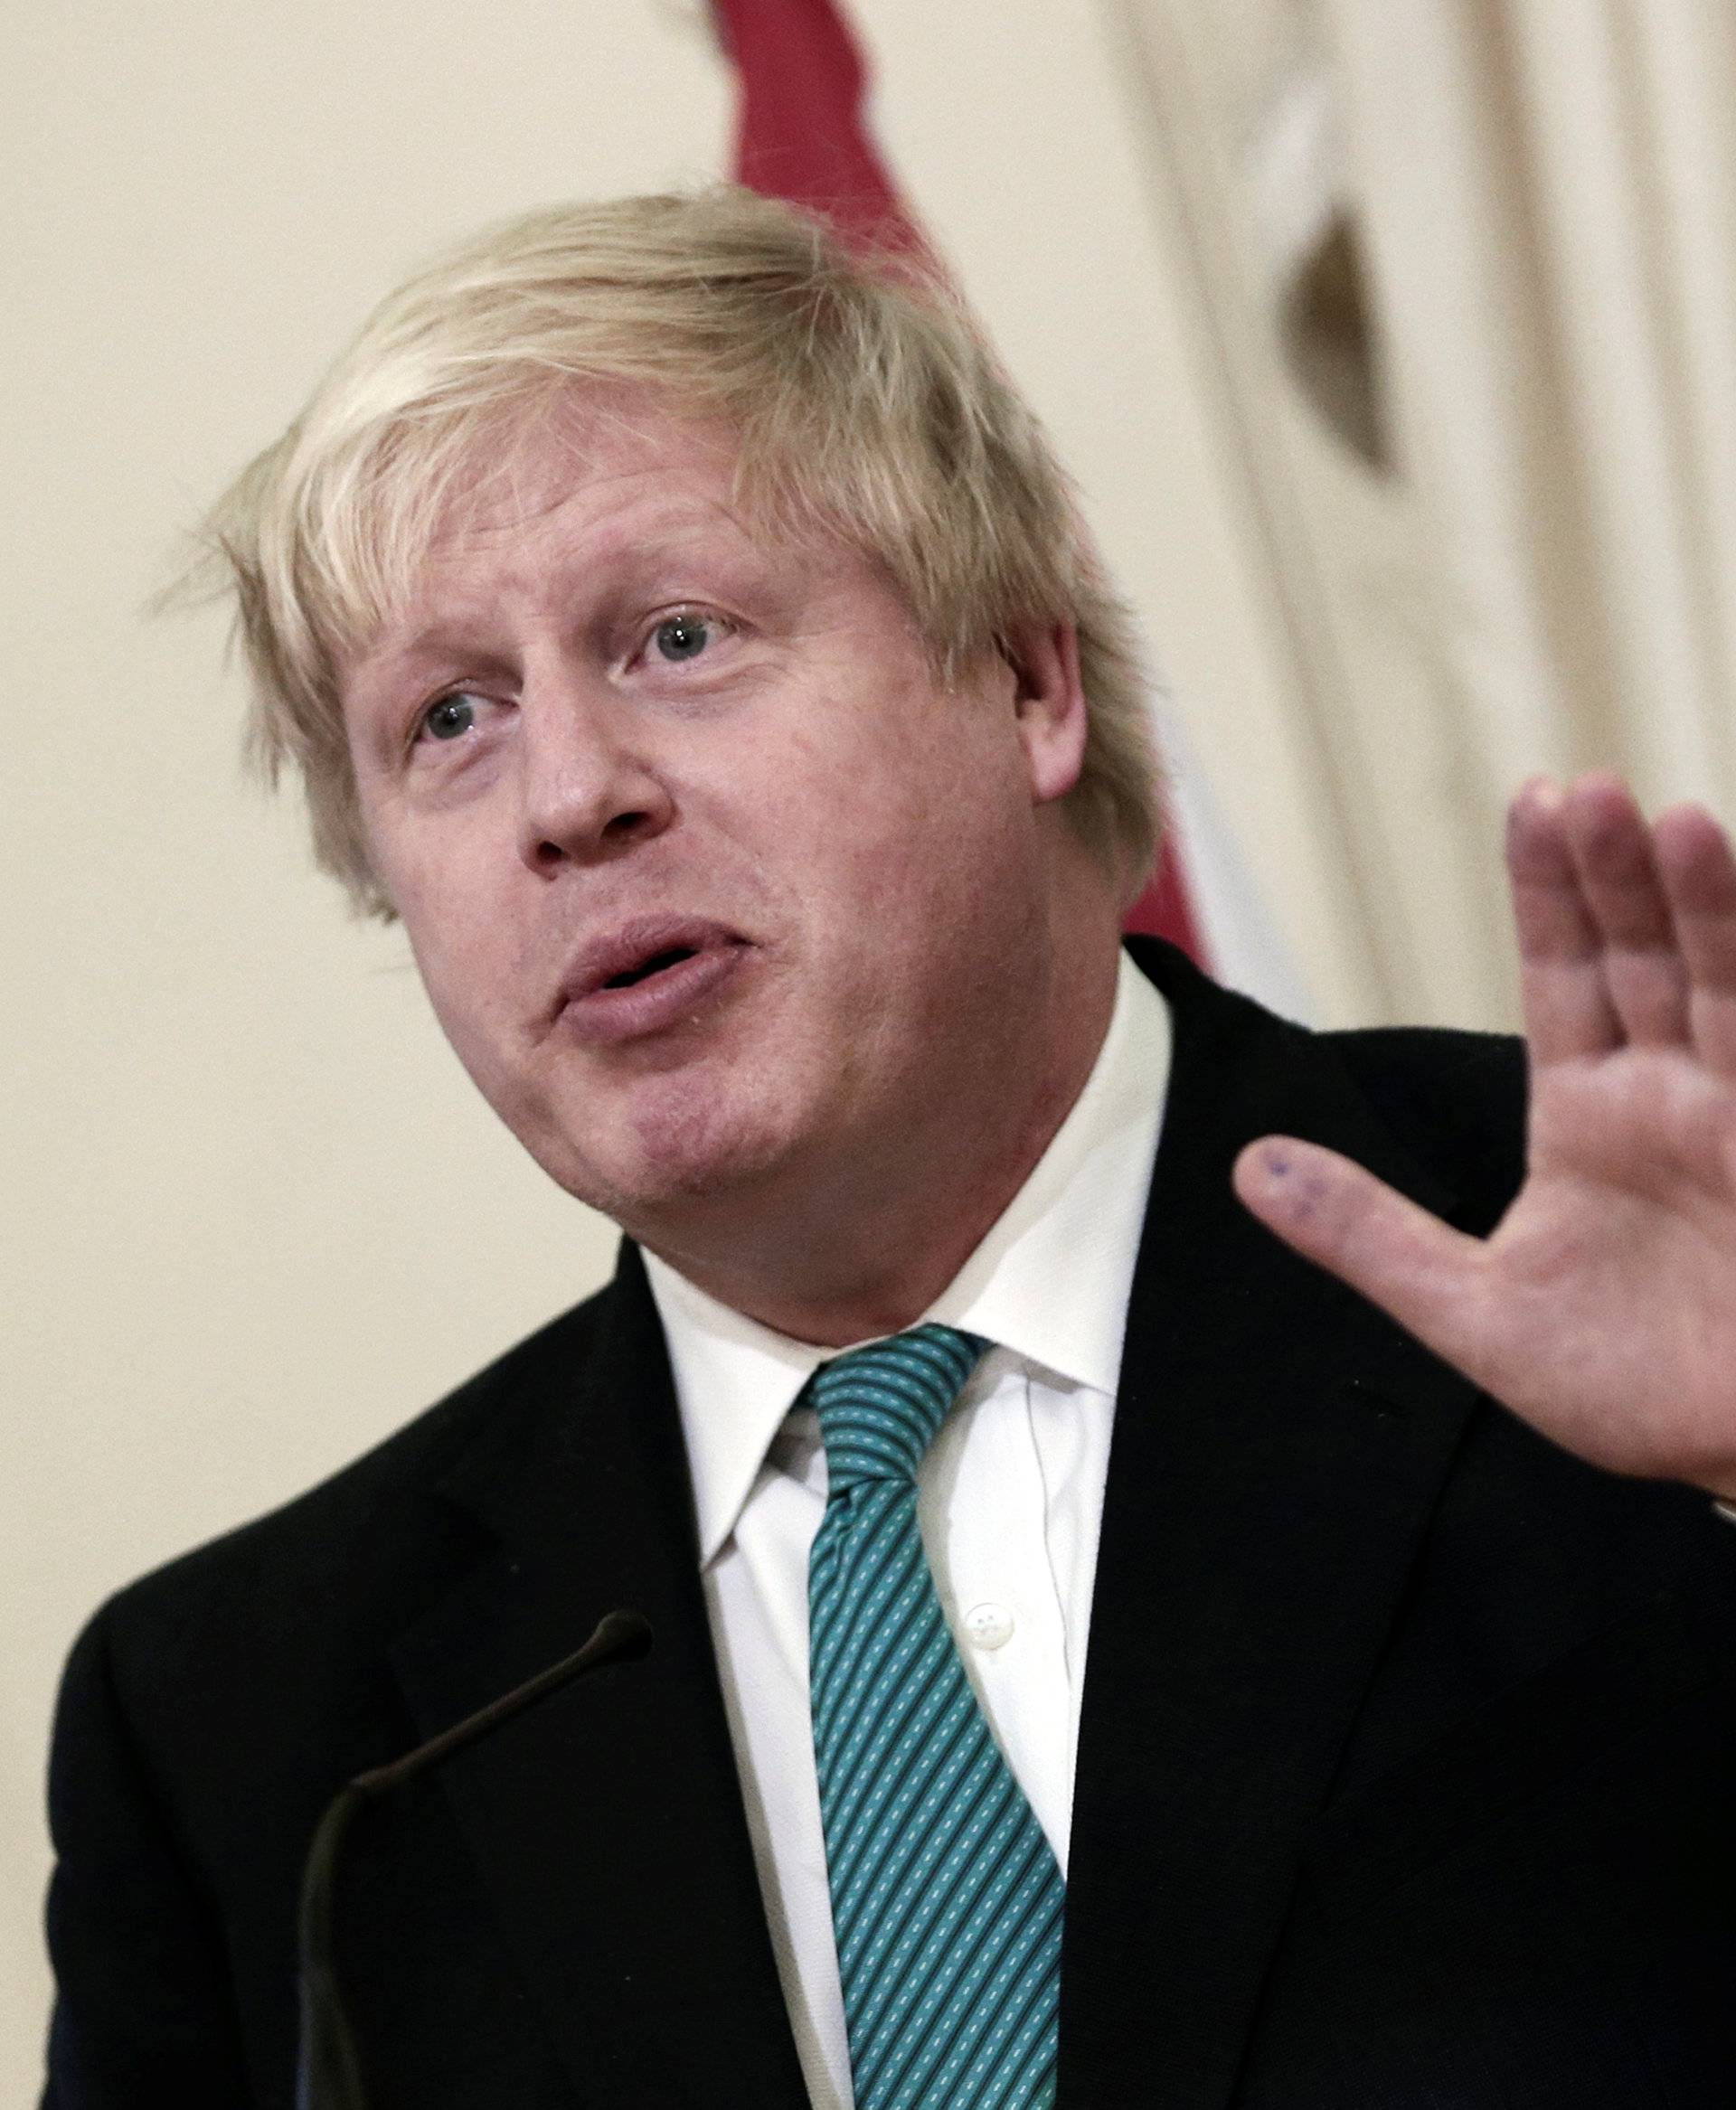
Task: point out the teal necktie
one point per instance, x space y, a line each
946 1899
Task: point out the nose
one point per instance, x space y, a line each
588 790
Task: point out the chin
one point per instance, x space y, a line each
674 1146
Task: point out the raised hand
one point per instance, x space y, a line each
1603 1306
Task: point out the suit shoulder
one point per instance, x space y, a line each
377 1518
1456 1099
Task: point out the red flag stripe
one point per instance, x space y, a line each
800 132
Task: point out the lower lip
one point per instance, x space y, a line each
655 1004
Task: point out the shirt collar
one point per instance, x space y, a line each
1049 1281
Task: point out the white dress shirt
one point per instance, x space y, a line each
1009 1497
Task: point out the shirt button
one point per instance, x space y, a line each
989 1625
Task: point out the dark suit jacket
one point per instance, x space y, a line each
1406 1772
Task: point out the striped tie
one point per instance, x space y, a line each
946 1899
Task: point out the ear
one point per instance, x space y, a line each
1050 706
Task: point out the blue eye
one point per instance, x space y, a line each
679 637
450 717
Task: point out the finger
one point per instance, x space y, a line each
1427 1276
1698 875
1567 1005
1643 967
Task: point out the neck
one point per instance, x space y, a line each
868 1251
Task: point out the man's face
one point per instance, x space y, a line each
711 885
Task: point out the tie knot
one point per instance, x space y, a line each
880 1406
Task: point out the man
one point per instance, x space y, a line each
687 634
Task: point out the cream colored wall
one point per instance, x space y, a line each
255 1217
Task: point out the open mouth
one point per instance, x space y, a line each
647 975
671 957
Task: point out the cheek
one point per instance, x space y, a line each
896 800
908 883
468 971
444 881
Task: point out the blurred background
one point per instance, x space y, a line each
1392 343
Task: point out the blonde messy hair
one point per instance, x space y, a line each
868 408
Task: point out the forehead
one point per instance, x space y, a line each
600 474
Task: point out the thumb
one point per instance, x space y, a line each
1419 1270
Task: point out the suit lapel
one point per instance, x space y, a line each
607 1822
1278 1447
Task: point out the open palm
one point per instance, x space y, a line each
1603 1306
